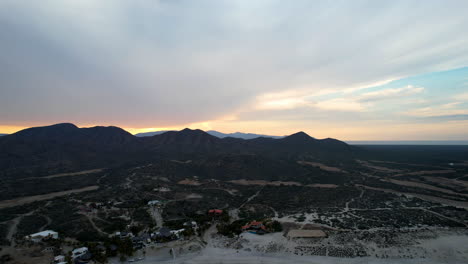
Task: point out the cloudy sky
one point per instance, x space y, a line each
354 70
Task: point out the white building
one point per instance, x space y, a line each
78 252
38 237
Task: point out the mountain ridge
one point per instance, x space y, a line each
214 133
65 147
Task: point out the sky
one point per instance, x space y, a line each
352 70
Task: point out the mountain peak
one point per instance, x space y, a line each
64 125
300 134
45 131
188 131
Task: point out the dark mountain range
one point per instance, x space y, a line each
65 147
213 133
3 135
150 134
238 135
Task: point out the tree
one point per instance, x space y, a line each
276 226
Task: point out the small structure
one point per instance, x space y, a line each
215 212
113 248
84 259
123 235
177 232
44 235
191 224
59 259
255 227
138 242
300 233
78 252
48 249
164 232
155 203
101 249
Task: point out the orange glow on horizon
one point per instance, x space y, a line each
359 131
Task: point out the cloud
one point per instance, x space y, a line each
462 97
450 105
340 104
445 110
168 63
388 94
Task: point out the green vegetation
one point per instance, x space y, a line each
31 224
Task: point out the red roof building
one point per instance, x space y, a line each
215 212
255 226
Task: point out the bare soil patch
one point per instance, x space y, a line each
421 196
263 182
34 198
321 166
320 185
423 186
416 173
377 168
67 174
189 182
452 183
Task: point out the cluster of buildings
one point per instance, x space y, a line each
78 256
164 234
255 227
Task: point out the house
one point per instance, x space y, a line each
44 235
78 252
300 233
255 227
215 212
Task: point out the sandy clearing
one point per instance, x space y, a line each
194 196
322 185
182 162
230 191
378 168
423 186
263 182
67 174
189 182
416 173
279 183
421 196
34 198
453 183
321 166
